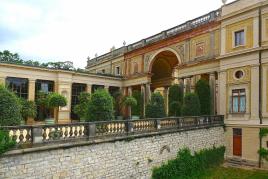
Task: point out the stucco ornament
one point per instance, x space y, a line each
146 62
181 51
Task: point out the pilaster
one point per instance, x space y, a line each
212 86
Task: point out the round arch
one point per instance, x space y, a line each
153 57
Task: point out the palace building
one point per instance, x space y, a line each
227 47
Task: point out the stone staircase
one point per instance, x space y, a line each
240 163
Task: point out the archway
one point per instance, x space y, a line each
162 70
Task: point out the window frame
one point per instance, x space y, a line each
21 91
119 70
239 91
235 45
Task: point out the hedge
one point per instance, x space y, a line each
10 108
202 90
191 105
6 143
187 166
175 99
100 107
156 108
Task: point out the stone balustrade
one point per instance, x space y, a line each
205 19
45 134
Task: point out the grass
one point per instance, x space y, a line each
234 173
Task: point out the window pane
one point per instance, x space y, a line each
242 103
235 104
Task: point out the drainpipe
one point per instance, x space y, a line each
260 77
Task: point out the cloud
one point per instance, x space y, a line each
73 30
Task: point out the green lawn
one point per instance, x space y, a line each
234 173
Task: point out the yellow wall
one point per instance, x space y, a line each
230 29
205 38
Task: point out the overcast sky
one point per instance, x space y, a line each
61 30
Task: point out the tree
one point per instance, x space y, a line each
7 56
130 101
137 109
55 100
100 107
10 108
202 89
81 108
156 108
191 105
175 99
28 109
118 102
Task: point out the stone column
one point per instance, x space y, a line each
187 85
212 86
106 87
129 93
222 92
148 92
31 97
166 91
144 99
89 88
192 84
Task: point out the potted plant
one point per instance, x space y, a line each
55 101
130 101
28 110
81 108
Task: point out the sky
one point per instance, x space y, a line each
72 30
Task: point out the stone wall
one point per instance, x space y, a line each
132 158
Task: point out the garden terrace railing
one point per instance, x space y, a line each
187 26
43 134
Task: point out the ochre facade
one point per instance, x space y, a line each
227 47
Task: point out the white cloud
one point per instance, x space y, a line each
72 30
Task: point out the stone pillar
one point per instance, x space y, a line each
148 92
143 93
166 91
89 88
106 87
197 78
65 88
222 93
212 83
31 97
129 93
187 84
192 84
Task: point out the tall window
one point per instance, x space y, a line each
44 86
19 86
239 101
117 70
239 38
77 88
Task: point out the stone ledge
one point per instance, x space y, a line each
91 141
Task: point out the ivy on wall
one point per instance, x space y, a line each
263 153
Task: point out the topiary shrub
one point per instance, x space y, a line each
156 108
202 89
81 108
130 101
191 105
28 109
10 108
100 107
6 143
137 109
55 100
175 99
